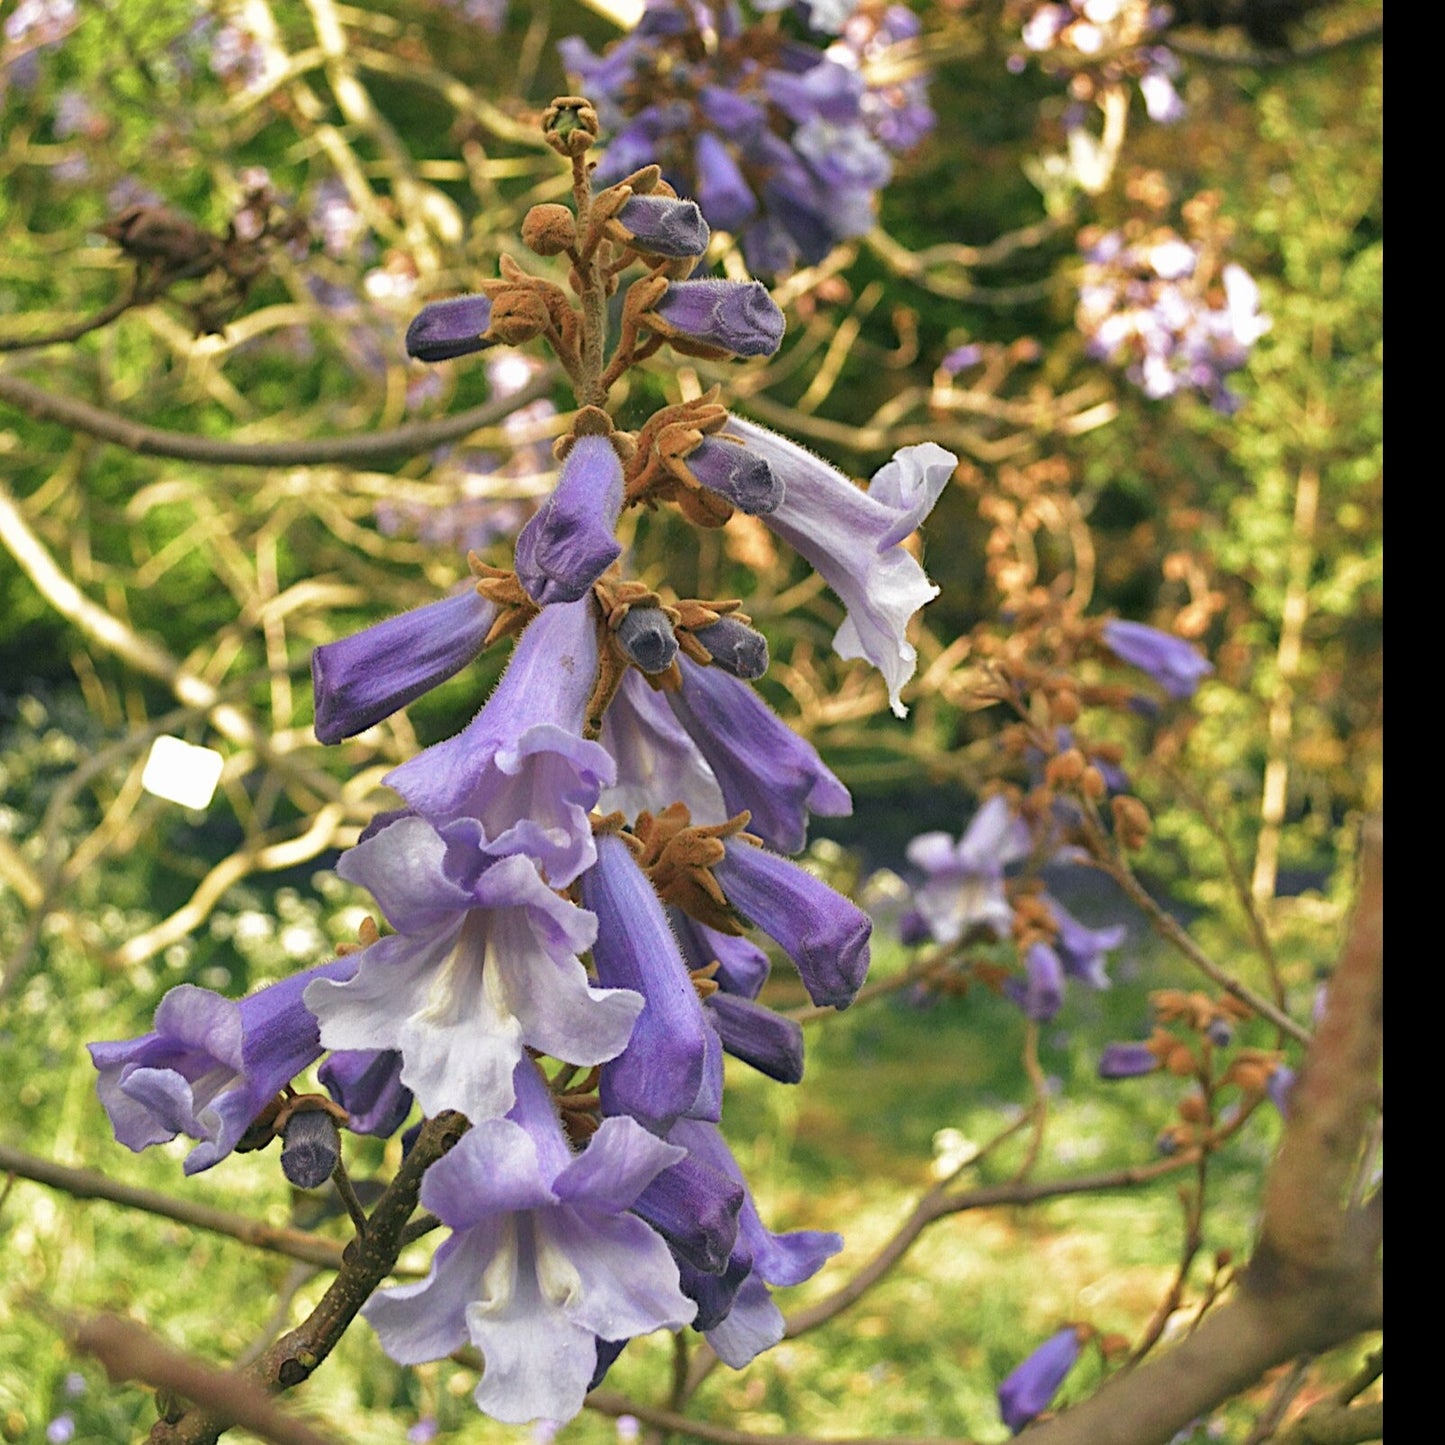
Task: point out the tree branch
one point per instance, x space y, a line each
89 1184
149 441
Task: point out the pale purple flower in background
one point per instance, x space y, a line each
1176 665
543 1260
211 1064
964 884
1040 992
1030 1389
1081 948
1127 1061
485 963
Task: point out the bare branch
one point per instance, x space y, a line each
130 1352
149 441
89 1184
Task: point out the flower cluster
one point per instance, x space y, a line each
966 896
1099 43
1154 307
571 880
783 145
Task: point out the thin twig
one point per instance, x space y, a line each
149 441
90 1184
130 1352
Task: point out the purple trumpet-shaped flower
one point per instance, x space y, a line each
1127 1061
754 1323
964 885
1040 993
1176 665
448 329
694 1208
569 543
735 472
853 540
734 316
522 767
664 226
484 965
370 675
742 967
367 1084
759 762
724 193
1031 1388
544 1258
657 762
1082 948
769 1042
659 1076
210 1065
824 934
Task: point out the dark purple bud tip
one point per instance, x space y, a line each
665 226
1127 1061
312 1149
647 639
447 329
740 475
735 316
735 648
1220 1034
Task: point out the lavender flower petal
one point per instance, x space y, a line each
1173 663
852 538
1030 1389
522 766
372 674
824 934
759 762
658 1076
569 543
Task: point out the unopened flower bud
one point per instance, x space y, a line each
733 471
728 316
312 1149
447 329
1131 822
1092 784
549 230
735 647
645 635
1219 1034
518 316
1127 1061
570 125
1068 767
664 226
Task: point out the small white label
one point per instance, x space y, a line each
182 773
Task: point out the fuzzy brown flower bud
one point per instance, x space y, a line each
549 230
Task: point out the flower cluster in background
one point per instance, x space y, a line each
1098 43
1155 305
782 144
